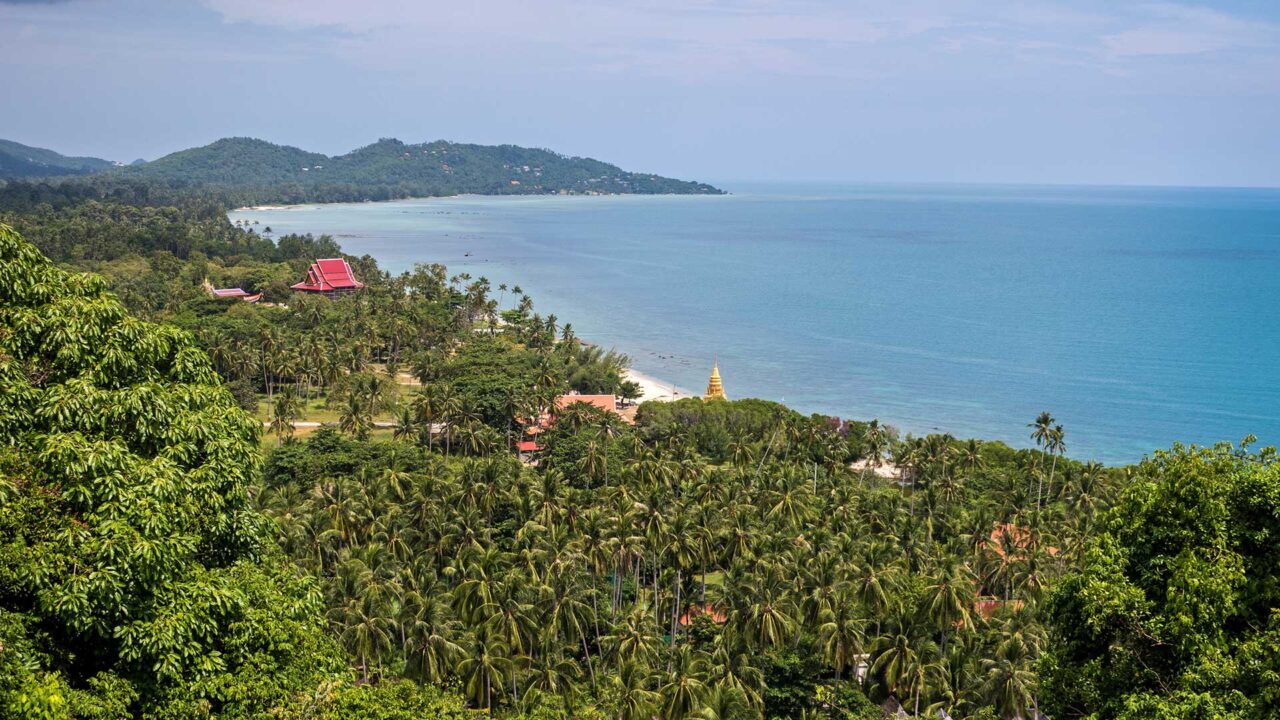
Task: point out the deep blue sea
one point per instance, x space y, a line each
1137 316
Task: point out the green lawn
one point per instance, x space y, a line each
313 411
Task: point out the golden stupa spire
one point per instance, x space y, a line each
715 389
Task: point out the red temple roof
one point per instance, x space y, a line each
329 275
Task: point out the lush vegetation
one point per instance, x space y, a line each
384 552
23 161
633 574
135 578
1175 612
244 171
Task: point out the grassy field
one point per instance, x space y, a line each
269 440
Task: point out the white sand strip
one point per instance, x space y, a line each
655 389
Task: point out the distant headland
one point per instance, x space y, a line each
246 171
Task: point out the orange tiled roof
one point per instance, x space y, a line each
1018 538
604 402
695 611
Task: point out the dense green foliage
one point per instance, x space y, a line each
135 578
1174 613
573 581
23 161
133 573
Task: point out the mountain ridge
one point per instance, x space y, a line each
26 161
429 168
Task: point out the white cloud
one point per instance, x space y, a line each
741 39
1170 29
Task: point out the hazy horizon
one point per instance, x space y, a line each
923 91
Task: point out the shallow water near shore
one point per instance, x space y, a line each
1137 316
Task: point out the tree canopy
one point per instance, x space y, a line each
1174 611
135 577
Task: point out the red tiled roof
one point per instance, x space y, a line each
528 446
604 402
1014 537
327 275
988 607
695 611
236 293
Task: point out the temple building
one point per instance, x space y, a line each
715 389
231 292
329 277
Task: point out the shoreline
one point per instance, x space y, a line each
652 388
457 196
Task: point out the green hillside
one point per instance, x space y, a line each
229 161
23 161
389 168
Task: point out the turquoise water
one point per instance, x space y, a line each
1137 316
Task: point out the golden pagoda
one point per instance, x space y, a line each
715 390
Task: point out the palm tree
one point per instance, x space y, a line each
730 667
484 666
284 415
910 669
1009 683
875 440
895 658
682 687
1042 433
723 703
406 424
767 617
365 632
948 599
841 633
1057 446
631 685
355 419
429 646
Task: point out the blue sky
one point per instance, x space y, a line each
1053 91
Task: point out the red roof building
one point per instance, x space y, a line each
987 607
235 293
707 610
1008 539
604 402
331 276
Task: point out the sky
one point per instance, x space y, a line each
1036 91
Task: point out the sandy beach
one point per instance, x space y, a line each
655 389
247 208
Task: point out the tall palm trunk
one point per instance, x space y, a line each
590 667
1052 469
675 608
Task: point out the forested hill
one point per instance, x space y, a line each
23 161
264 172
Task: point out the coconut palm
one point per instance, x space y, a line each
841 633
284 414
683 687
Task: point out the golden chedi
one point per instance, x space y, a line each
715 389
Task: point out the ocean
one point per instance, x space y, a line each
1138 317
